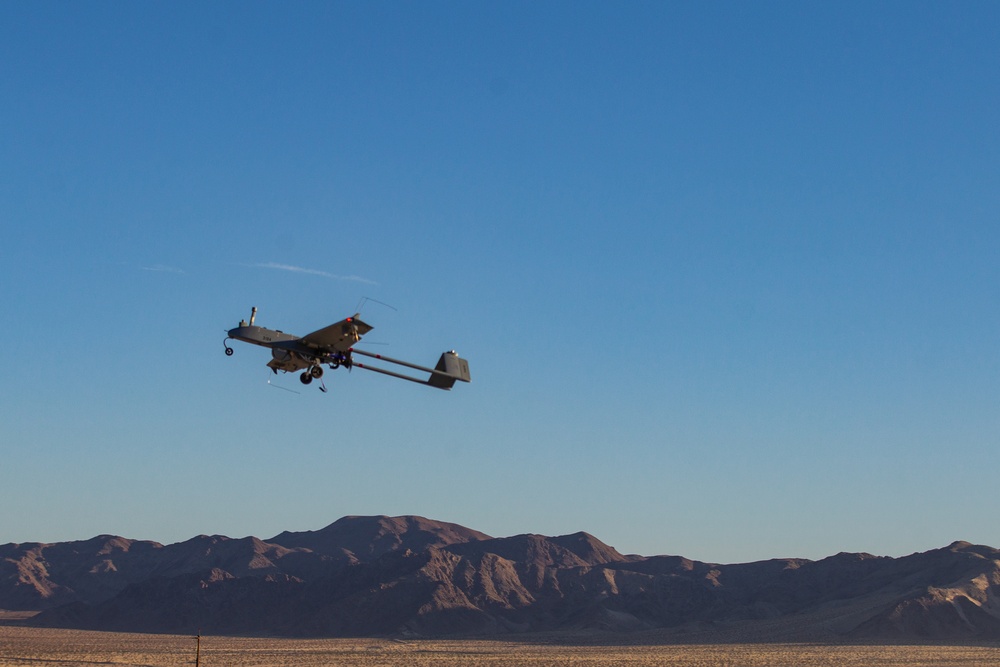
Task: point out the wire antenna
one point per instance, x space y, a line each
278 386
366 299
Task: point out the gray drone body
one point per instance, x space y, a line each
333 346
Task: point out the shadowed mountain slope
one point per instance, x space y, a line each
411 575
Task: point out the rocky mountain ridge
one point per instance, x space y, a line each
415 576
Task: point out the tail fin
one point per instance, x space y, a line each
450 368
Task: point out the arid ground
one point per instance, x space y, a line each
34 646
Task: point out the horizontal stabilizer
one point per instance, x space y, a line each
450 367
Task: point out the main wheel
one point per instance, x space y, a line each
316 371
335 364
229 351
305 378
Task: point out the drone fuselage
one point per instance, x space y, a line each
260 335
287 354
333 346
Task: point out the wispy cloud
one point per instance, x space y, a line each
312 272
162 268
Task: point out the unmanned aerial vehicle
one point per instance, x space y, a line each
333 346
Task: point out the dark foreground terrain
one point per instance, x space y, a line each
34 646
409 577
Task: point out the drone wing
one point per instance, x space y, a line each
337 337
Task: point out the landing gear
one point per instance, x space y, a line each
229 350
315 370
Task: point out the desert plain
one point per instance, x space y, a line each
43 646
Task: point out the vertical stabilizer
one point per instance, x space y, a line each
450 368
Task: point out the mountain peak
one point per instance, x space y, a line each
368 537
589 548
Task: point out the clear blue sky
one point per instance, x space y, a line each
726 273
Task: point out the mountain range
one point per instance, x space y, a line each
411 576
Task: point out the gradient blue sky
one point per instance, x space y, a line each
726 273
